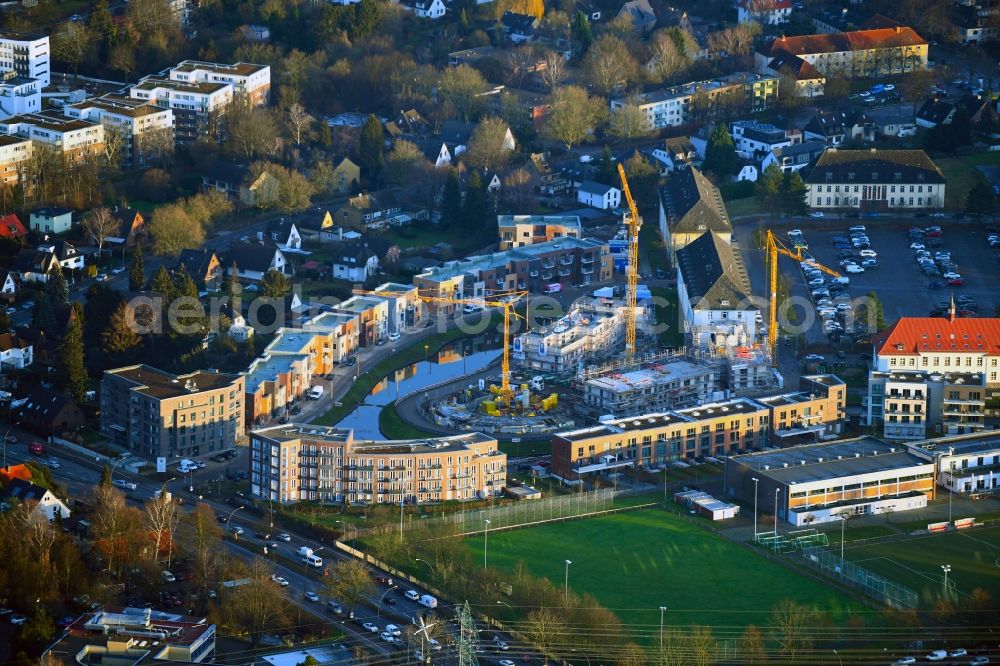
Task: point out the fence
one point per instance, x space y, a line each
890 593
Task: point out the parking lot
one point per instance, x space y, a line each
903 289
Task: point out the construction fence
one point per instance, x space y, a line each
878 587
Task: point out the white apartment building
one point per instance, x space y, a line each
25 54
251 82
19 94
73 137
967 464
14 150
875 180
197 107
142 126
753 139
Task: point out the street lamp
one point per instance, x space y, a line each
839 658
662 608
429 565
776 491
843 522
946 568
5 435
566 591
486 540
229 518
755 485
380 599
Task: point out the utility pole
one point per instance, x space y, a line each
467 641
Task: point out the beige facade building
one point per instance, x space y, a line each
76 139
521 230
144 130
157 414
293 463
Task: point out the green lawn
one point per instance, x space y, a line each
961 176
973 554
633 563
745 206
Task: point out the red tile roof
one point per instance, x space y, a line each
11 227
857 40
932 334
775 5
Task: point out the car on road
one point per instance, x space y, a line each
118 271
979 661
18 619
238 531
393 337
412 595
393 629
936 655
311 596
11 311
809 358
387 637
816 213
506 662
959 652
283 582
370 626
904 661
285 536
27 305
334 607
101 277
503 646
124 484
53 463
858 228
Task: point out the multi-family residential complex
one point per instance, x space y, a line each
967 464
755 139
14 151
859 54
159 415
591 331
26 55
19 94
405 307
251 83
659 387
564 261
372 313
718 428
670 107
933 376
144 130
292 463
875 180
75 139
819 483
198 108
521 230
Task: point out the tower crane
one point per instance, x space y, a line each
632 268
773 247
505 300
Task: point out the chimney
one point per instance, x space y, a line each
898 29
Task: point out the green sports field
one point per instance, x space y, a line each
974 556
635 562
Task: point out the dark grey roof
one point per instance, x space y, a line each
353 255
640 11
713 272
590 187
457 132
518 24
63 250
44 405
226 172
829 124
813 146
883 166
252 256
195 261
52 211
935 111
22 490
693 203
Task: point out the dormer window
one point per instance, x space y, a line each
898 176
874 175
850 176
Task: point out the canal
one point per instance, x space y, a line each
453 360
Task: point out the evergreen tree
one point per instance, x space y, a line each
184 283
119 339
607 172
981 200
371 146
476 207
136 271
5 324
105 477
581 31
876 304
793 194
720 153
768 187
72 368
230 283
325 135
451 202
42 316
275 284
56 287
162 283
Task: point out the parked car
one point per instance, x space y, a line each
124 484
816 213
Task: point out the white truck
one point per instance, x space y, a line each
312 560
428 601
304 551
316 392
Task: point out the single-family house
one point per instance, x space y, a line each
44 505
284 233
676 153
408 123
346 175
934 112
51 220
438 154
429 9
15 353
808 81
837 127
203 266
364 212
597 195
765 12
66 254
8 285
260 190
34 265
47 412
794 157
312 224
225 177
11 228
519 28
254 259
354 262
642 15
131 227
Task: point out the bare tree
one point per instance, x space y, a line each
574 115
173 229
160 517
350 581
251 132
630 122
259 605
73 43
752 648
609 65
665 58
702 646
461 87
791 621
299 122
545 629
114 145
154 143
554 71
489 147
99 225
117 532
516 184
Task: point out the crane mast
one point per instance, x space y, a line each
632 268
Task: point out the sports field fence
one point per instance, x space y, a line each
875 586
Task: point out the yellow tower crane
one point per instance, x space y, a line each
506 300
632 268
773 247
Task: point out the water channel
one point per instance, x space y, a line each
453 360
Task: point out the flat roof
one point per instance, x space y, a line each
327 320
290 341
649 377
239 68
960 445
267 367
308 432
830 460
203 87
826 379
360 303
395 287
562 220
484 262
51 121
125 106
161 384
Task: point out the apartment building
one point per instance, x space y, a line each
590 332
660 387
19 94
947 367
293 463
563 261
404 305
161 416
14 152
861 54
372 314
26 55
145 130
819 483
76 139
521 230
250 82
690 205
966 464
875 180
656 439
699 100
754 139
199 107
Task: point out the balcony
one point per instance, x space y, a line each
533 274
586 271
548 264
547 276
586 260
566 261
565 272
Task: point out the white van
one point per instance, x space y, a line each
316 392
553 288
313 560
167 577
412 595
429 601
